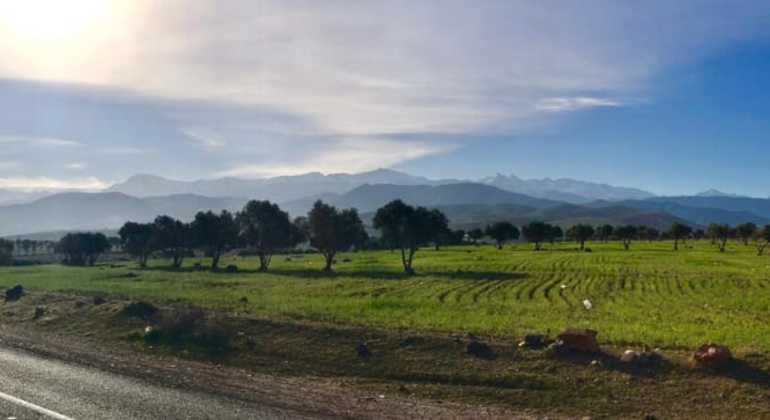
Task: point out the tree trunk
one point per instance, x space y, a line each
215 259
500 246
676 244
264 261
329 257
582 245
626 245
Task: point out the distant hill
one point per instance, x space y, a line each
277 189
80 211
370 197
694 211
565 189
716 193
757 206
287 188
468 216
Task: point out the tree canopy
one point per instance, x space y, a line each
215 233
502 232
407 228
266 228
83 248
537 233
331 230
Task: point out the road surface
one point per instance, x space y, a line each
32 387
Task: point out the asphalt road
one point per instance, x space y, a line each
32 387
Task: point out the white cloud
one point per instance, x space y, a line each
39 141
76 166
347 155
207 138
574 104
48 184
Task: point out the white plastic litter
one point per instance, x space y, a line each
588 305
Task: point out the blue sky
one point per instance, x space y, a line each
665 96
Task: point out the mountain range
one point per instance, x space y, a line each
466 203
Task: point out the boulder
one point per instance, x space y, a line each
582 341
14 293
98 300
712 355
480 350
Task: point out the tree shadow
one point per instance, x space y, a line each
742 371
607 361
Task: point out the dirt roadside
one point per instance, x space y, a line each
47 336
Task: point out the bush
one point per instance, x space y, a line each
188 329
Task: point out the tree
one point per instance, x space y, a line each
649 233
502 232
719 234
331 230
556 233
679 232
173 238
626 234
580 233
215 233
762 238
537 233
6 252
83 248
746 231
475 235
266 228
137 239
439 225
406 228
604 232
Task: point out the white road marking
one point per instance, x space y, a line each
33 407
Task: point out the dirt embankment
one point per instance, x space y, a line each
362 373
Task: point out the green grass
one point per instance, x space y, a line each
649 295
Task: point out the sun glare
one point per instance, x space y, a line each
51 20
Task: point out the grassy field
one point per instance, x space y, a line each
649 295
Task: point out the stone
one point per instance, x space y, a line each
14 293
712 355
98 300
582 341
39 312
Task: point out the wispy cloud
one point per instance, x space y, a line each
574 104
349 155
76 166
8 165
39 141
48 184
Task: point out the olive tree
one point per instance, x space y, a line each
406 228
331 230
502 232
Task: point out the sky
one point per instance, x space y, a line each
670 97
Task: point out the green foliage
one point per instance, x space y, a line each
678 232
626 234
215 233
137 240
331 231
266 228
537 233
407 228
502 232
173 238
82 248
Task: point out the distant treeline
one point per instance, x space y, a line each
263 229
